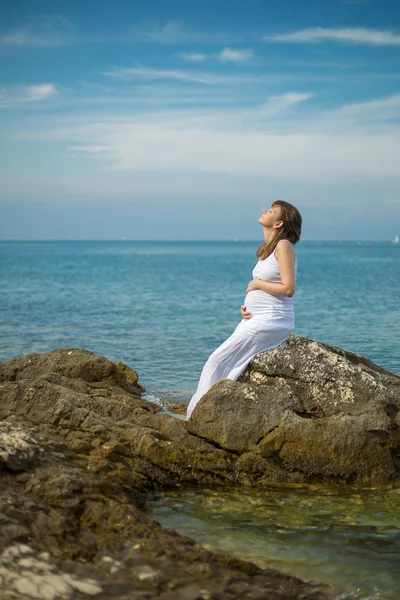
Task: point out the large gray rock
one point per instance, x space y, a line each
332 378
236 415
311 409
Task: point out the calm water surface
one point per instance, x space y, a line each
347 539
164 307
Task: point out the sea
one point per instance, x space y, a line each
162 308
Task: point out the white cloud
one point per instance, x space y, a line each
352 35
229 55
40 92
226 55
382 109
173 32
276 104
149 73
147 147
129 73
170 33
193 56
262 142
89 149
381 115
50 31
27 94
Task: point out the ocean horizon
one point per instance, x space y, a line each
183 241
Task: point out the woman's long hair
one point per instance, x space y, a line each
290 230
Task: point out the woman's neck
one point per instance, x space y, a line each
269 235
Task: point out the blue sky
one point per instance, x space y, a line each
177 120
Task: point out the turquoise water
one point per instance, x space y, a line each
348 539
163 307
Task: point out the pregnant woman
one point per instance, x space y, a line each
267 313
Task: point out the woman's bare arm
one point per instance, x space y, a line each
285 255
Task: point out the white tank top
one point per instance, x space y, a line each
257 301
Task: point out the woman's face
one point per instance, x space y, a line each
270 217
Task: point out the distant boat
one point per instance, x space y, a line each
395 240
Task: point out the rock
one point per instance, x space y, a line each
237 415
83 537
311 409
127 373
101 417
80 450
178 409
73 363
18 448
325 376
26 573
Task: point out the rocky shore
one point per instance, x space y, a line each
81 450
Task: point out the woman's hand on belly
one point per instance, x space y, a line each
245 314
253 285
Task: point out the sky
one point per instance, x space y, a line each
172 120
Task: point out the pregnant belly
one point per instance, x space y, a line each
259 302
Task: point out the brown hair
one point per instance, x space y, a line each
290 230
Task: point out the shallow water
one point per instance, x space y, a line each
349 539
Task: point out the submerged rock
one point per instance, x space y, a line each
311 409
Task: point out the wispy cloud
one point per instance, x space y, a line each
174 33
230 55
94 151
350 35
27 94
193 56
277 104
130 73
213 117
40 92
89 149
260 141
383 109
50 31
163 147
170 33
224 56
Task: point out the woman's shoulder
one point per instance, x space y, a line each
284 241
285 246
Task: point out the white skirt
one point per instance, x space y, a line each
262 332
